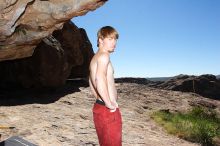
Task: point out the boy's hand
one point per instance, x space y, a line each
113 110
115 104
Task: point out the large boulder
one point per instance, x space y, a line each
79 48
52 61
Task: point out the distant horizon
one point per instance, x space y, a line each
167 76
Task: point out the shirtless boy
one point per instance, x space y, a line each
106 114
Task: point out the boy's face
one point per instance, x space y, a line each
109 43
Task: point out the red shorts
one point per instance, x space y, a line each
108 125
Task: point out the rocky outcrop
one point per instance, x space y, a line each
24 23
205 85
143 81
52 61
36 48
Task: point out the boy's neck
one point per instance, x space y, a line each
103 50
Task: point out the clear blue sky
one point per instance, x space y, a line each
160 38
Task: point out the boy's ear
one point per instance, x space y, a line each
100 41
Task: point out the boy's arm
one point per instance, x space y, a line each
92 88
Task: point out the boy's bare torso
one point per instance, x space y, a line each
109 78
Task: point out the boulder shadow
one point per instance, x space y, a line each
21 96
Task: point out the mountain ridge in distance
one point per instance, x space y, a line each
168 78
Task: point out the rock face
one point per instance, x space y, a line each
53 60
24 23
205 85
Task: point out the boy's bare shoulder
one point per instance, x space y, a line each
103 56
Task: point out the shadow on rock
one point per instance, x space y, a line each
20 96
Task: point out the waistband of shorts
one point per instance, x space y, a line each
98 101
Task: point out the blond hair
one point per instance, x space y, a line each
106 31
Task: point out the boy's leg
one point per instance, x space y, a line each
115 129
